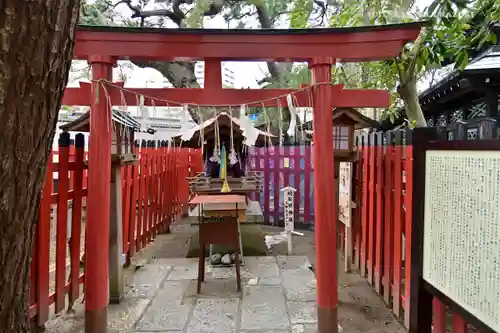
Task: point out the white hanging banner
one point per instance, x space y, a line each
288 193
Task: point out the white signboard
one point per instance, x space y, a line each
345 185
461 246
288 193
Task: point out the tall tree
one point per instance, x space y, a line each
456 28
191 14
36 50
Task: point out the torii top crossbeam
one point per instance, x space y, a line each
109 44
299 45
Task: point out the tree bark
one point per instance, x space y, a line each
37 40
409 94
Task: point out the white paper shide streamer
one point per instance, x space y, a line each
249 132
293 116
187 130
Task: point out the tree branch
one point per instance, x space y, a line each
176 15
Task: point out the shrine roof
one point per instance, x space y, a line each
82 124
221 124
359 120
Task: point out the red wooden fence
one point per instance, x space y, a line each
282 167
153 199
155 193
382 224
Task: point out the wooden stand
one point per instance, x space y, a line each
222 229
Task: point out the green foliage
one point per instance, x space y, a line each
449 37
299 17
97 12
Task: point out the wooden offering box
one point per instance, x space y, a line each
202 184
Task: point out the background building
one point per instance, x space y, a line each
228 79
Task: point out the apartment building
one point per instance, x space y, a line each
228 77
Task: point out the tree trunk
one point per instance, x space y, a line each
409 95
37 39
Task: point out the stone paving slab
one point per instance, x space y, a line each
123 321
255 267
214 315
213 289
302 312
165 316
147 280
264 307
184 272
292 262
299 284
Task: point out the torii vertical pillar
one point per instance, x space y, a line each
325 220
98 200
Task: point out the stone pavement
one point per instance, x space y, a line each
279 295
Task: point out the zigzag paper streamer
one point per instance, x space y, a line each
293 116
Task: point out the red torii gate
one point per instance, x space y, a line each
321 48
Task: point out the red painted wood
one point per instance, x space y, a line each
98 202
76 222
159 192
398 230
213 73
459 325
140 240
371 211
351 44
295 166
71 159
407 226
215 96
43 251
439 316
277 172
379 183
358 211
154 192
33 309
175 181
163 183
147 226
169 192
267 180
307 185
365 206
62 227
326 214
388 223
133 228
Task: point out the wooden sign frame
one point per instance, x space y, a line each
423 292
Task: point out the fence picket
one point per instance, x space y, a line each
62 221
